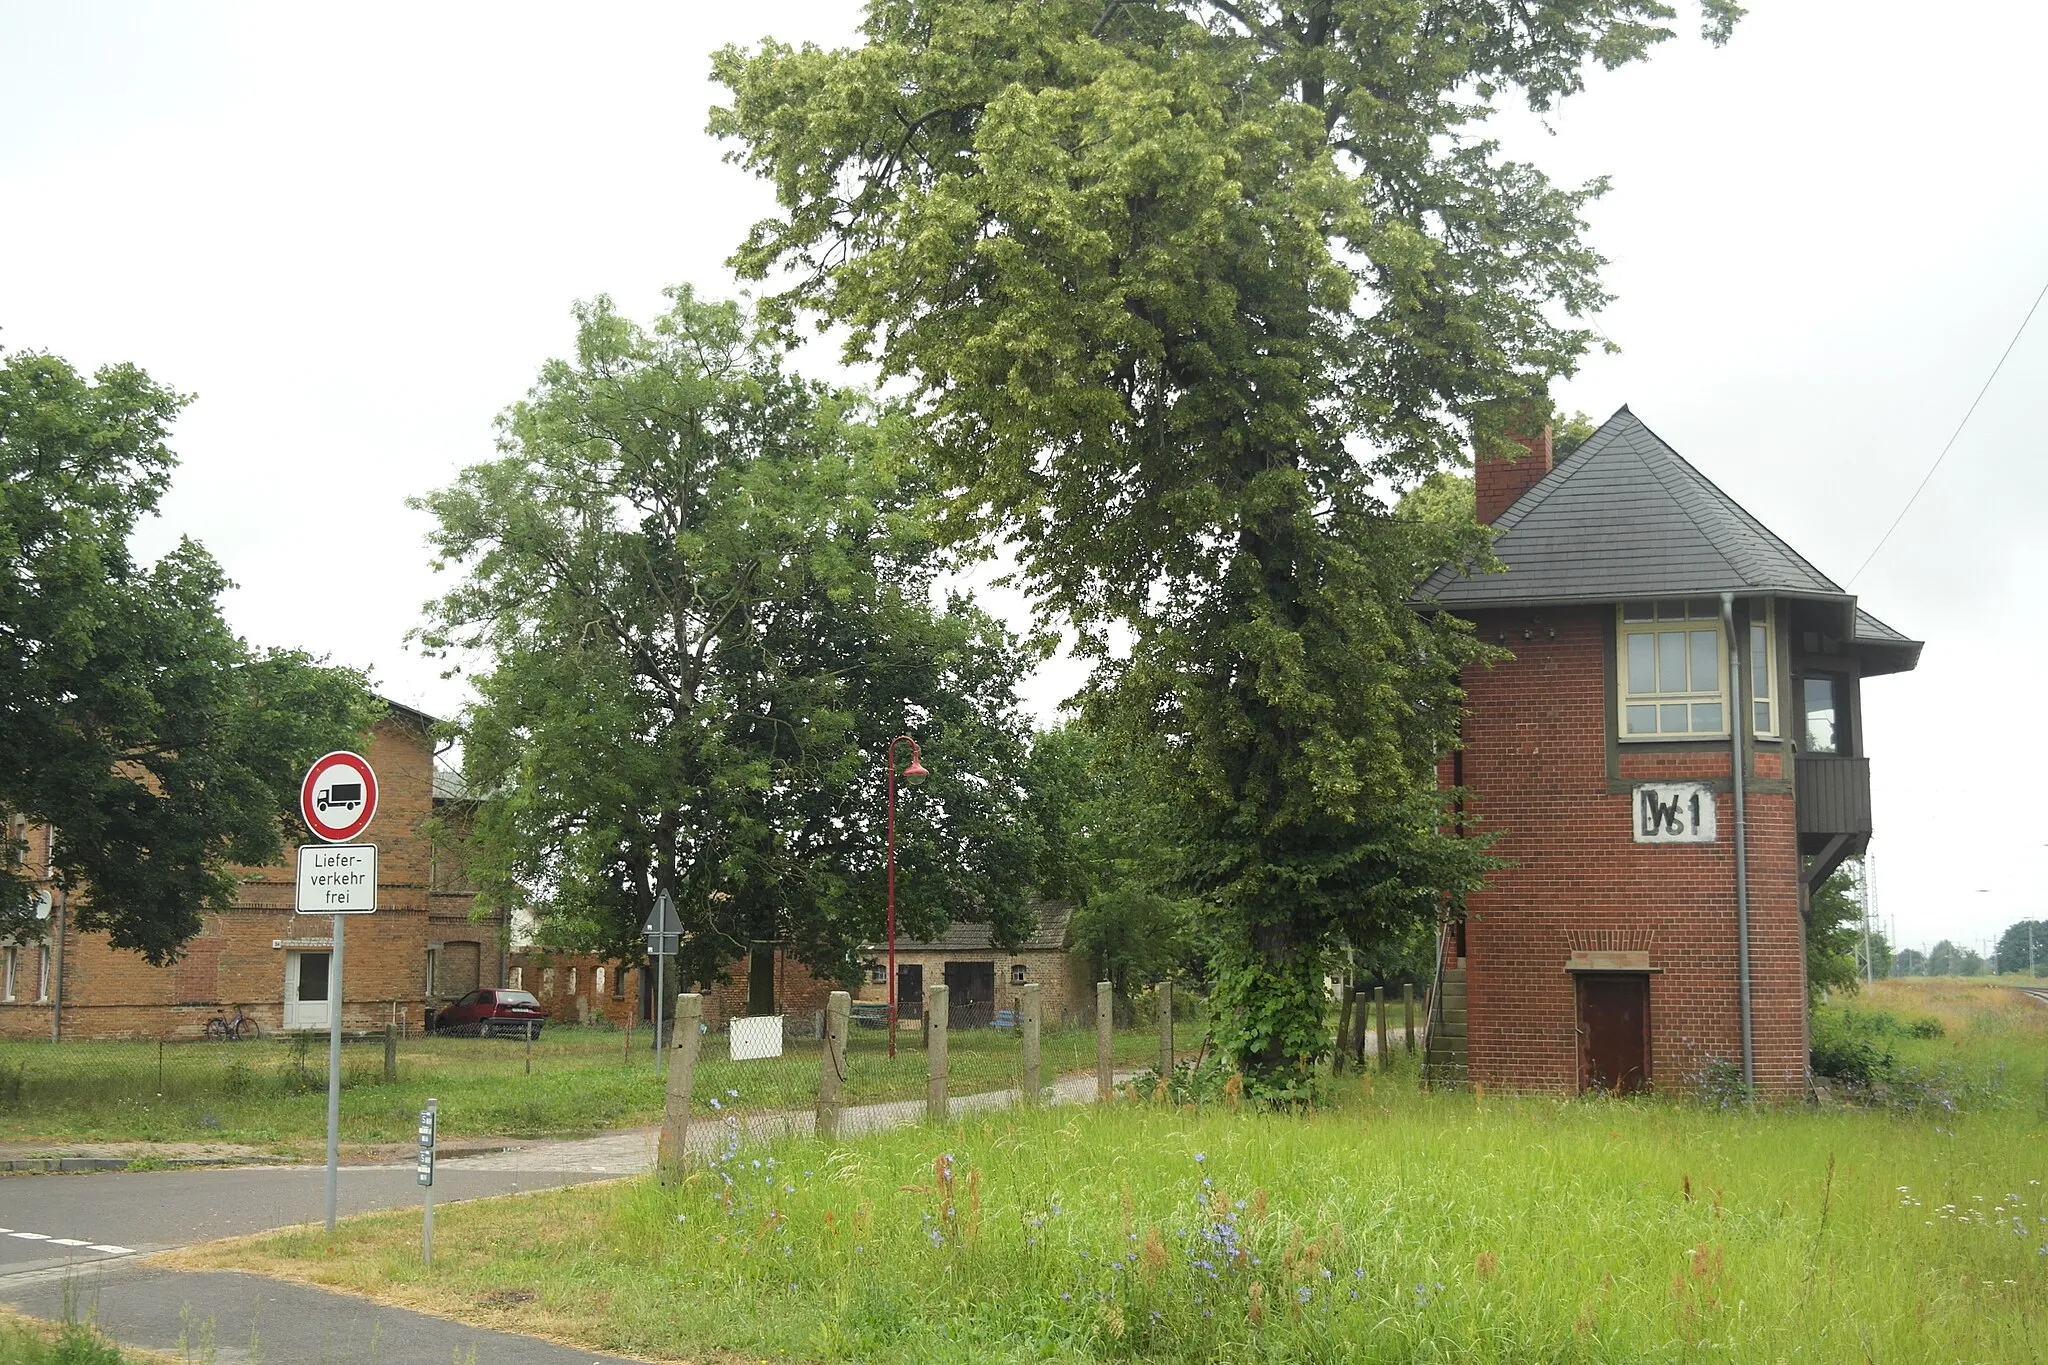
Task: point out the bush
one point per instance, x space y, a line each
1843 1052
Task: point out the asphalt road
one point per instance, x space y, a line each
69 1245
53 1220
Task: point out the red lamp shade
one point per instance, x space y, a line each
915 774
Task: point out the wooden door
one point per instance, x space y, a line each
910 990
1614 1031
973 994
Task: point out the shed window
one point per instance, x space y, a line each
1019 974
1673 671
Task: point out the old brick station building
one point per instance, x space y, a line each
1658 631
419 952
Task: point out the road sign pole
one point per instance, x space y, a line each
334 1071
660 984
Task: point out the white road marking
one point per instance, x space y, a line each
108 1247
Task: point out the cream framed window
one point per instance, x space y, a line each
43 975
10 963
1763 671
1673 673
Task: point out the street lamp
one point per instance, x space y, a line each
913 776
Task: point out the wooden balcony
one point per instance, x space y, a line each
1833 795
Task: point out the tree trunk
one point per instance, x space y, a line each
761 979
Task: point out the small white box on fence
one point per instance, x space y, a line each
755 1037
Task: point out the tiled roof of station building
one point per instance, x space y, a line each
968 936
1626 517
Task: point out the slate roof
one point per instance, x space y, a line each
969 937
1625 517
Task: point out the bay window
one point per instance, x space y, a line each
1673 671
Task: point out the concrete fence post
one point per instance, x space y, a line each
1105 1037
682 1073
1028 1017
1346 994
832 1071
1166 1031
1408 1012
1379 1008
938 1015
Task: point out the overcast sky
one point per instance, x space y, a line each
355 235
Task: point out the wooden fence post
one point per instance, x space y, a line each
682 1071
1166 1031
1379 1006
1105 1038
938 1015
1027 1025
1345 995
1408 1011
390 1054
832 1071
1358 1028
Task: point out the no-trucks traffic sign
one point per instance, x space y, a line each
338 797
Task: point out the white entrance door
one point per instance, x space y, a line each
305 989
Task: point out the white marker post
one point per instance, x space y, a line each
429 1120
338 800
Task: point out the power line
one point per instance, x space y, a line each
1951 440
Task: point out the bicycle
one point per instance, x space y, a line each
223 1029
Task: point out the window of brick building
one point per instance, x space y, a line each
518 978
597 981
433 969
1019 974
572 981
10 963
878 975
1673 671
619 984
547 982
42 975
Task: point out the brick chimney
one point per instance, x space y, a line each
1497 483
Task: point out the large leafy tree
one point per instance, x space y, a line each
703 593
1179 290
162 747
2023 948
1112 850
1834 937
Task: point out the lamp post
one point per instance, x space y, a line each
913 776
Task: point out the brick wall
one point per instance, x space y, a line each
239 956
1537 765
569 989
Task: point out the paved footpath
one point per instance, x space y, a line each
76 1240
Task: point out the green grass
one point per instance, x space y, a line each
271 1092
1391 1226
28 1342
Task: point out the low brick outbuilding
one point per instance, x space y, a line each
984 977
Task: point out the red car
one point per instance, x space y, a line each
492 1014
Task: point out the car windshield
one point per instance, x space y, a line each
516 998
